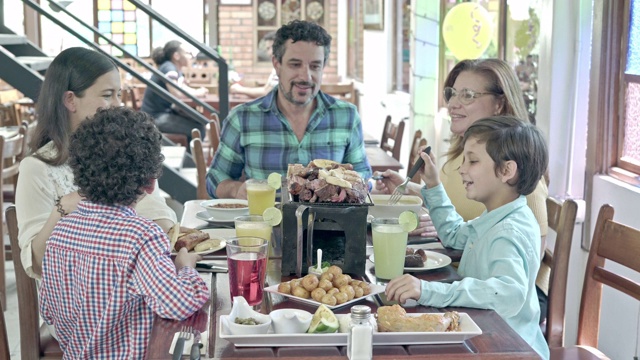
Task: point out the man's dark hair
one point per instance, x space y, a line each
299 30
509 138
114 155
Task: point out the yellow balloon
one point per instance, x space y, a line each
467 30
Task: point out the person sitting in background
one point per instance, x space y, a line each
170 60
77 83
106 270
503 160
293 124
266 44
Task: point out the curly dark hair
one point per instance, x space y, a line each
299 30
510 138
114 155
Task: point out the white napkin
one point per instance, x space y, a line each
204 339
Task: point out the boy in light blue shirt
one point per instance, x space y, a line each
504 158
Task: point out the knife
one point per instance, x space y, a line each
204 267
197 345
177 350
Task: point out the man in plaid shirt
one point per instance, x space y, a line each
106 270
293 124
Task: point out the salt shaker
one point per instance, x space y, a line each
360 338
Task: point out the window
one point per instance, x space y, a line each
355 40
402 47
629 143
271 14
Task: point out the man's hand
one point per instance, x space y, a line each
390 180
425 228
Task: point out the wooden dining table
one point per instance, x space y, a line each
497 341
380 160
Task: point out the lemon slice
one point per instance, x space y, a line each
324 321
272 216
408 220
275 180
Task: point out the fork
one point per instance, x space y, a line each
400 189
185 334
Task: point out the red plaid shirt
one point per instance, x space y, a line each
105 272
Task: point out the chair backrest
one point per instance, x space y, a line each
130 98
394 133
201 167
620 244
4 339
344 91
418 142
561 217
213 129
28 311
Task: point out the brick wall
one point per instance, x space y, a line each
237 38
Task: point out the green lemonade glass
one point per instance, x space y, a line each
260 196
255 226
389 247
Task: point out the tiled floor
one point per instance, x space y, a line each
11 315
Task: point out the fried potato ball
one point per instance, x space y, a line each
340 280
359 291
318 293
295 283
348 289
284 288
300 292
310 282
354 283
348 277
326 276
365 288
341 297
333 291
325 284
335 270
329 299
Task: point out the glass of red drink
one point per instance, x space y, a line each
247 260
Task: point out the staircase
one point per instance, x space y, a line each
23 65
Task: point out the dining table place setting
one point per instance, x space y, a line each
299 275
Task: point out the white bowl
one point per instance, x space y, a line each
380 209
225 214
290 321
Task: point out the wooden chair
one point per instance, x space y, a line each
394 133
5 353
613 242
36 341
201 167
213 134
418 142
130 98
345 91
11 149
561 217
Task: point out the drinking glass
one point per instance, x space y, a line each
254 225
247 261
260 196
389 247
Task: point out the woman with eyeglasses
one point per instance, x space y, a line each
475 89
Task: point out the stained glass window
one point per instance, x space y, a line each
633 47
631 143
117 20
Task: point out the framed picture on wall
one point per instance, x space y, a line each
373 14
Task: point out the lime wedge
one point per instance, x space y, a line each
324 321
408 220
275 180
272 216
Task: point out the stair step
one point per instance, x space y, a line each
12 39
36 63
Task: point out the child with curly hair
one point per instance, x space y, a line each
106 270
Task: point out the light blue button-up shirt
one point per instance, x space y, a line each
499 264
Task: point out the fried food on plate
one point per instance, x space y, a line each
189 238
395 319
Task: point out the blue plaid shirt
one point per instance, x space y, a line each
258 139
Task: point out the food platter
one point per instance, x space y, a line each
212 235
468 329
375 289
435 260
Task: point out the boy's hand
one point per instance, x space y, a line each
403 288
430 175
185 258
390 180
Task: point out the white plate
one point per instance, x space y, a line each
375 289
435 260
204 215
468 329
213 235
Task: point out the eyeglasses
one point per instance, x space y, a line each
465 96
